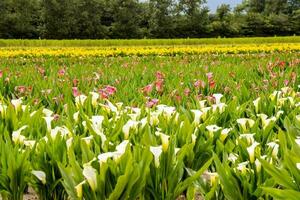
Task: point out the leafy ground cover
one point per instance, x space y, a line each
151 127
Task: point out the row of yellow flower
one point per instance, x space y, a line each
149 50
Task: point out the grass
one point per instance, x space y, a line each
145 42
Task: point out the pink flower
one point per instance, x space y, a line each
159 85
286 82
1 73
75 92
21 89
147 89
110 90
61 72
152 102
75 82
212 84
103 94
187 92
210 76
159 75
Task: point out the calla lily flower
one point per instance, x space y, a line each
167 111
257 165
76 116
47 112
298 165
40 175
233 157
130 125
218 98
256 104
164 140
79 100
69 142
17 103
251 151
212 129
78 189
243 167
104 156
202 103
249 137
48 122
95 97
219 107
156 151
91 176
275 148
197 116
97 127
224 134
29 143
245 123
17 137
88 139
205 111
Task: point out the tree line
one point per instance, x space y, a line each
104 19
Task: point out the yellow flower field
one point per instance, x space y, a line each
148 50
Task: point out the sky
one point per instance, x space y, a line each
213 4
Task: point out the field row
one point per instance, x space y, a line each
150 50
145 42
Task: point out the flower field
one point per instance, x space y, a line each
180 122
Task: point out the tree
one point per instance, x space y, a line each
19 18
126 19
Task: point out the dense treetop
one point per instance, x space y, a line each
104 19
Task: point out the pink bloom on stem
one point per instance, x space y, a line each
75 82
147 89
159 86
286 82
103 94
152 102
187 92
159 75
61 72
210 76
212 84
110 90
21 89
75 92
1 73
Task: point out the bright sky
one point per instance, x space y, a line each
213 4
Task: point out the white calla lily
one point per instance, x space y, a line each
17 137
245 123
48 121
130 125
91 176
40 175
197 116
78 189
95 97
156 151
251 151
218 98
249 137
212 129
224 134
79 100
17 103
256 104
275 148
47 112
